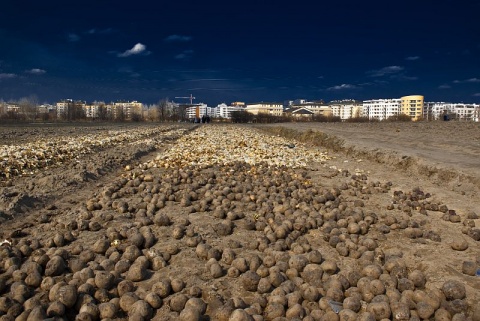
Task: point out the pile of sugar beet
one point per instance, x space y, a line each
236 242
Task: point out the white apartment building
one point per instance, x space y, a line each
62 107
346 111
436 111
381 108
199 110
224 111
468 112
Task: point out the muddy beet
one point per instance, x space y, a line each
230 222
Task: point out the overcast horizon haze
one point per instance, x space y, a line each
249 51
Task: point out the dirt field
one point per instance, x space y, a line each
197 223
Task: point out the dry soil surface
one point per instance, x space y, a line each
162 224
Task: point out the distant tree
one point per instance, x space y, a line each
362 119
399 117
120 116
179 113
102 112
74 111
326 118
28 107
162 110
13 116
136 117
241 116
3 108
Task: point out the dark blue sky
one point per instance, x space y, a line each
250 50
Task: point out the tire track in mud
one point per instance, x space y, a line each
71 181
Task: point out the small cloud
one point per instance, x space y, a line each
137 49
385 71
73 37
178 38
471 80
476 95
445 86
412 58
7 76
94 31
36 71
186 54
342 87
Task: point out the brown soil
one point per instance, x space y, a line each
376 163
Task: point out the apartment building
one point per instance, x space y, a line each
381 108
126 109
318 108
63 106
458 111
346 109
412 106
225 111
196 111
274 109
92 110
469 112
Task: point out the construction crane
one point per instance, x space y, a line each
190 97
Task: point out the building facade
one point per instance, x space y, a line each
455 111
197 111
274 109
225 111
381 108
412 106
346 110
126 109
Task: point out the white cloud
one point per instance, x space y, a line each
178 38
7 76
342 87
36 71
445 86
385 71
73 37
471 80
412 58
137 49
186 54
476 95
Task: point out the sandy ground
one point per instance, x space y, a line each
237 209
444 144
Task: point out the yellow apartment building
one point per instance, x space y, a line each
412 106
